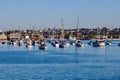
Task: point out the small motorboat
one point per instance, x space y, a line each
72 42
98 43
42 46
63 44
3 42
20 43
29 44
108 42
55 43
78 43
14 43
33 43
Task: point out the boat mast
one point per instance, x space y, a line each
71 35
77 28
119 33
62 31
19 30
52 37
33 29
111 35
98 33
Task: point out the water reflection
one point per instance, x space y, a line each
77 51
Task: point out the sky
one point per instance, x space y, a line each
42 14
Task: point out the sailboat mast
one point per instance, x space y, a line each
33 29
62 31
53 32
119 33
19 30
77 27
98 33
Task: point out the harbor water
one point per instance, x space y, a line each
70 63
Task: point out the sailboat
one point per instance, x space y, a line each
20 43
62 43
42 46
33 43
78 42
54 42
29 44
98 42
72 39
14 42
72 42
107 42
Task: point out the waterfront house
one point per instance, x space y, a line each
1 31
14 36
3 37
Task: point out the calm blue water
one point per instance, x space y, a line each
85 63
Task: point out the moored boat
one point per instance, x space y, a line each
55 43
98 43
20 43
108 42
33 43
42 46
62 44
14 43
29 44
72 42
78 43
3 42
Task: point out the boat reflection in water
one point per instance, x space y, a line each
118 44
